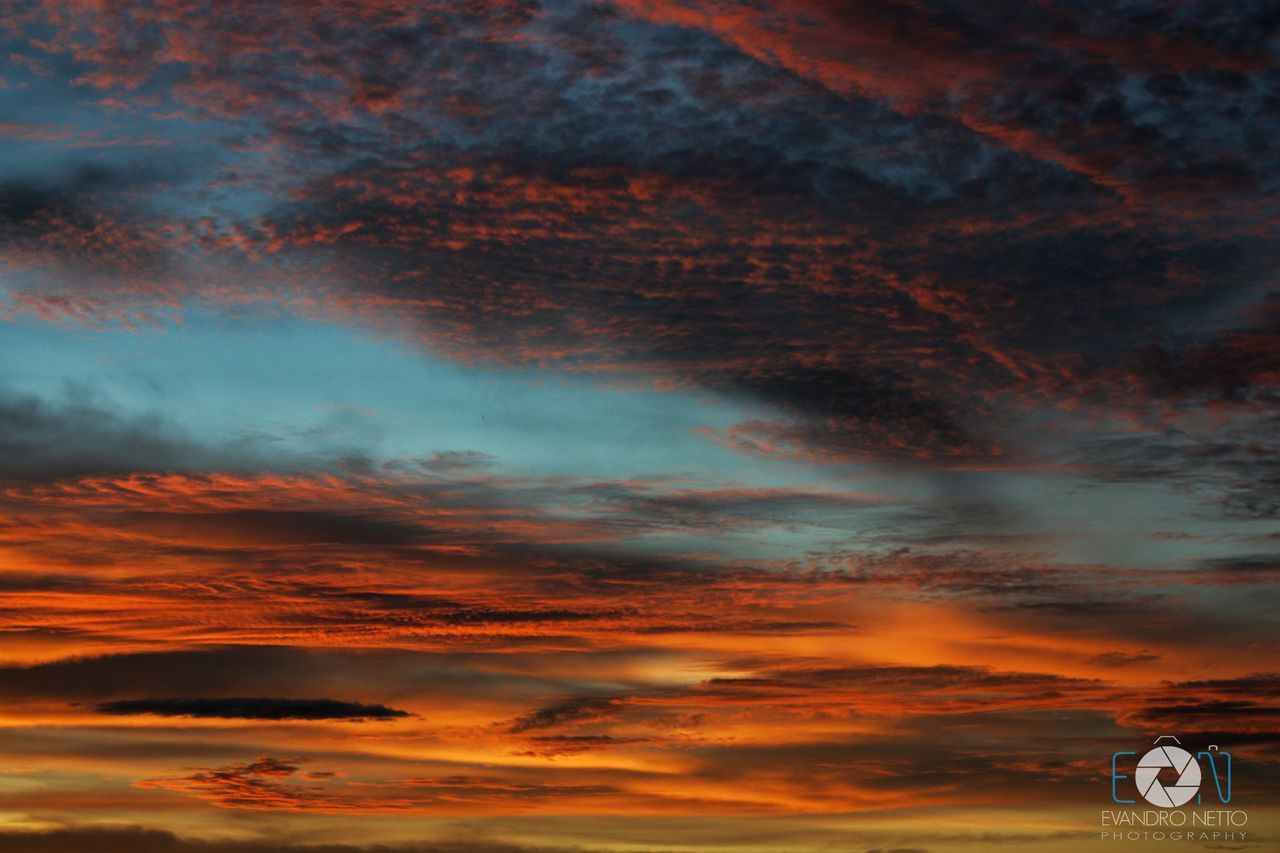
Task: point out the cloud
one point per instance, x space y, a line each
140 840
82 434
80 245
269 527
1240 711
251 709
942 689
1230 468
398 504
1116 659
554 745
200 676
981 219
572 712
1246 569
268 784
1234 367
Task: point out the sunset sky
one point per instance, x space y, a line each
651 425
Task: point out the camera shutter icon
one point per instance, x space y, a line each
1147 776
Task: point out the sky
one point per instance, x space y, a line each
638 425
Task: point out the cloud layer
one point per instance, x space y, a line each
660 425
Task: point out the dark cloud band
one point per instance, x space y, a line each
252 709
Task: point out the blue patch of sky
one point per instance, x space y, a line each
313 387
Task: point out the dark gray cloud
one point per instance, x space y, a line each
274 527
1118 659
1232 469
380 677
1246 569
140 840
206 675
571 712
1233 366
251 708
83 434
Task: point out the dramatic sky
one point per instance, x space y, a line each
652 425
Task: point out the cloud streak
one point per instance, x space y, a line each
251 709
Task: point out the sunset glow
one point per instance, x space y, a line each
653 425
